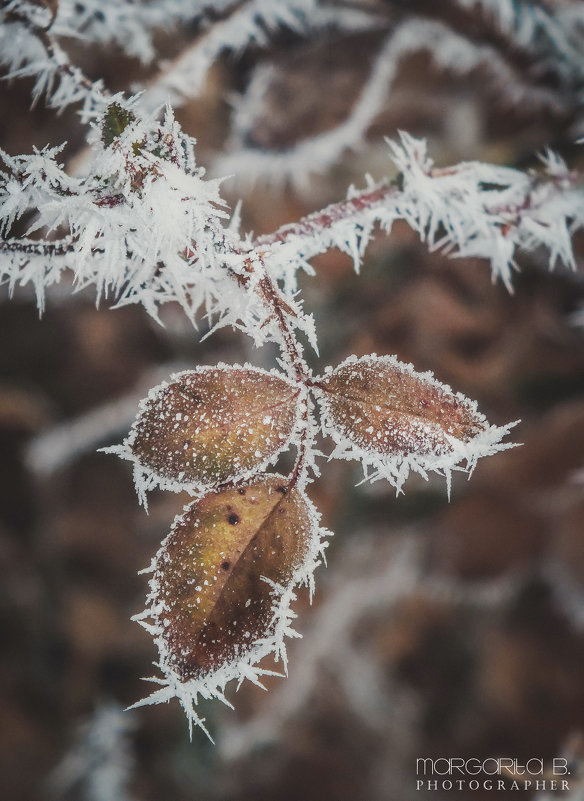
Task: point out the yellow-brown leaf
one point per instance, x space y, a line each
210 572
213 425
382 405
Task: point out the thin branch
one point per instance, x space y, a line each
447 49
74 85
244 25
310 227
34 247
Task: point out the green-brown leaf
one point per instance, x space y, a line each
210 572
213 425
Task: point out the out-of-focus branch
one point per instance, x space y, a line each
245 25
447 49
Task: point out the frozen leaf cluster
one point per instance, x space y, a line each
224 578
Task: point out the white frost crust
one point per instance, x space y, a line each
144 226
395 468
247 666
146 480
487 211
470 210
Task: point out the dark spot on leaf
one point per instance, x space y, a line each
241 492
225 565
282 489
233 519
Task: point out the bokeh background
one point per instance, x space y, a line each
438 628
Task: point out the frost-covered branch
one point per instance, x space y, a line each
555 37
145 225
447 49
29 47
249 24
471 210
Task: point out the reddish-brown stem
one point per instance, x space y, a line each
270 294
321 220
302 448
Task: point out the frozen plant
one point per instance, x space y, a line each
144 225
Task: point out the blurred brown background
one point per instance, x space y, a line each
438 629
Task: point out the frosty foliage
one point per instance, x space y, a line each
211 425
144 225
395 421
245 663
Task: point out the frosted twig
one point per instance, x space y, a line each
549 36
120 240
447 49
471 210
247 24
30 48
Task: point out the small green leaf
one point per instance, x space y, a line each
115 121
